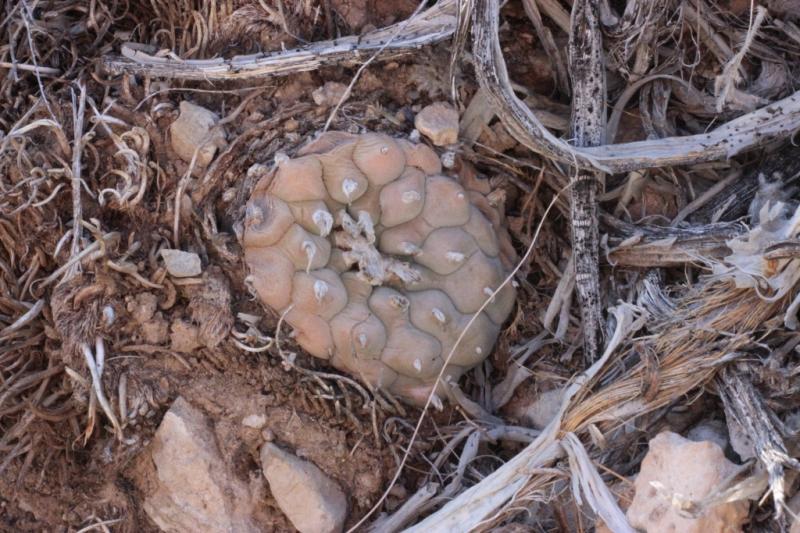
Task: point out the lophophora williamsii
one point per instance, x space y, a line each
379 261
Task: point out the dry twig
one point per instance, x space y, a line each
587 70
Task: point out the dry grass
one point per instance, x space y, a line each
89 192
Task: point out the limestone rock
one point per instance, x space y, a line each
329 94
196 491
691 470
254 421
439 123
181 264
711 430
308 498
192 130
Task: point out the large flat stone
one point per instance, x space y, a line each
309 499
195 491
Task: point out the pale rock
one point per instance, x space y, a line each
308 498
330 94
181 264
711 430
195 491
254 421
689 470
741 442
291 125
184 337
194 129
439 123
544 408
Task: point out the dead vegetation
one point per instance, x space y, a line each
663 129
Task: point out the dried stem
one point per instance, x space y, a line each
430 26
745 407
77 150
587 70
777 120
407 512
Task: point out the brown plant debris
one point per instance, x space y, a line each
157 243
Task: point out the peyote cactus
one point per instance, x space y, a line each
378 260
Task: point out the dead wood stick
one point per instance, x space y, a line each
548 43
734 201
556 12
407 512
481 501
459 44
588 125
706 196
326 5
430 26
776 120
745 406
637 246
644 246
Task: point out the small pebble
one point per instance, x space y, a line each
439 123
291 125
181 264
693 470
194 132
448 159
254 421
329 94
311 501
